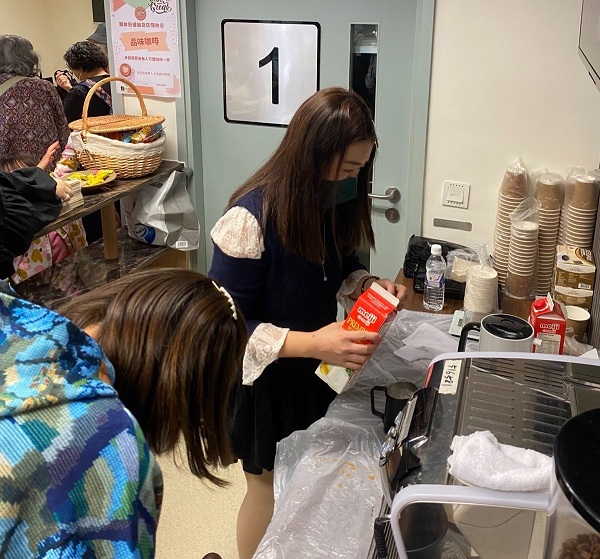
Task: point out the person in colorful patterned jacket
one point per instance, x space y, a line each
150 357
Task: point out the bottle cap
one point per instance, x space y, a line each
436 250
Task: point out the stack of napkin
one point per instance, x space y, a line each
76 199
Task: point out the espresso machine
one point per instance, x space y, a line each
523 399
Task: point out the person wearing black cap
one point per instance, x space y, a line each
99 37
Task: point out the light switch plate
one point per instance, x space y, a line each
456 194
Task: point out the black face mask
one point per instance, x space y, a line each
338 192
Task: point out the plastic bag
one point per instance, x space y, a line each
514 184
573 347
162 214
521 278
458 262
580 207
481 291
549 191
513 190
581 188
327 484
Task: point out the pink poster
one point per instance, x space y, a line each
145 35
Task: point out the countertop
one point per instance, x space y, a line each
327 481
87 269
112 257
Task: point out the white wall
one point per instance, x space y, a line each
52 26
506 81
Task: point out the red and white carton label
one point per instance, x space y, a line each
549 325
373 311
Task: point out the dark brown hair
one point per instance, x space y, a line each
324 126
18 57
14 161
177 352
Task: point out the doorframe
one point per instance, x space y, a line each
189 129
187 111
425 24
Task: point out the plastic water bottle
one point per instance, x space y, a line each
433 295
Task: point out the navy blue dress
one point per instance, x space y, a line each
284 290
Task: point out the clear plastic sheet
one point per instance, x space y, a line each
327 483
573 347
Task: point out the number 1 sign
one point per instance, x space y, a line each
269 69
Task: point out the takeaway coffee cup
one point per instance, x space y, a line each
577 318
396 396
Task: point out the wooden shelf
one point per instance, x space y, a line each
111 193
414 301
112 257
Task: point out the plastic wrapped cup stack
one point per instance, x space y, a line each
549 193
579 213
522 259
512 192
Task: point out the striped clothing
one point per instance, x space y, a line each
77 479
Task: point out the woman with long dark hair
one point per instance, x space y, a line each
286 250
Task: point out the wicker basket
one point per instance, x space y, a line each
99 152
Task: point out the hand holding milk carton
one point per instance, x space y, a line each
373 311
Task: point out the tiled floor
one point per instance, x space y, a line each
198 518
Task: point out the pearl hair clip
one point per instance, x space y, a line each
229 298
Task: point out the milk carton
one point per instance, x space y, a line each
575 268
373 311
574 297
549 326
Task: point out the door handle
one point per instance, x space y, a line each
392 194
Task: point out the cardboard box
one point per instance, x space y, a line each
549 326
373 311
576 297
575 268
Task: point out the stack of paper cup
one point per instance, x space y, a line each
522 259
512 192
481 290
549 192
579 213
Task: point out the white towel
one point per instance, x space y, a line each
426 342
480 460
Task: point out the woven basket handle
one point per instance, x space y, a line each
92 91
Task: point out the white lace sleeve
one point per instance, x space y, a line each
239 234
262 349
348 286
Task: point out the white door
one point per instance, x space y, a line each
231 151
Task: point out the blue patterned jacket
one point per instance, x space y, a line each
77 479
